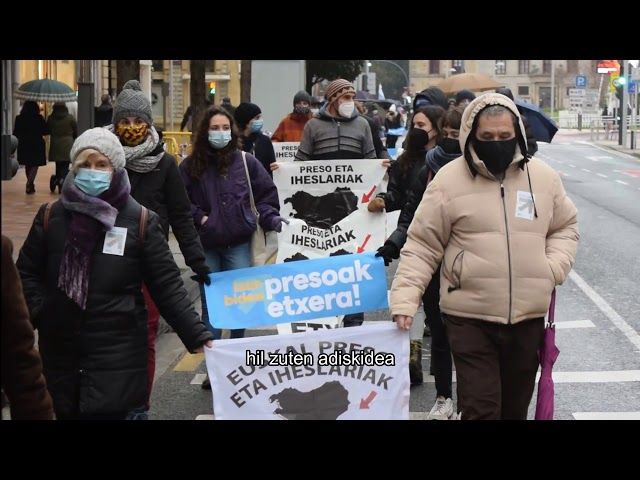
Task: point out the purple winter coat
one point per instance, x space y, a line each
225 200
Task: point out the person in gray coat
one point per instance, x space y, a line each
63 130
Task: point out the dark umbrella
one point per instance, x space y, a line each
46 90
547 355
542 127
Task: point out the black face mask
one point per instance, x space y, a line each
496 155
417 140
451 146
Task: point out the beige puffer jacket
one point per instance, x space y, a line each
499 261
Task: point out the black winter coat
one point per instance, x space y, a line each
381 150
163 191
95 361
401 183
29 130
260 146
412 201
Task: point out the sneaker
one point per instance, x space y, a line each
206 383
442 410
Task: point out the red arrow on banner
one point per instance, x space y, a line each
367 196
361 248
364 403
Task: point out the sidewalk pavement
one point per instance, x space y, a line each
613 145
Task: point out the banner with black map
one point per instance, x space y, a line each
326 203
342 374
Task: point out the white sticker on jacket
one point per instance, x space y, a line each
114 241
524 205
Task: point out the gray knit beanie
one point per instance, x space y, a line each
301 96
101 140
132 102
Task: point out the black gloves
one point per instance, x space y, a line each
388 252
202 275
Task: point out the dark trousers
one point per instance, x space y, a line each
441 363
353 320
62 168
496 366
391 141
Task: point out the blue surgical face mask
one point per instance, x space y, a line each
256 125
219 138
92 182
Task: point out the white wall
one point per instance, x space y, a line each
273 85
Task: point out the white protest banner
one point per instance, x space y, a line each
326 202
285 151
358 373
309 325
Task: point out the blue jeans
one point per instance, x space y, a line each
221 259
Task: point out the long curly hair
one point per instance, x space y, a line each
203 153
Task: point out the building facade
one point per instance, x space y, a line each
529 80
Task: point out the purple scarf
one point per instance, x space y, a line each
90 217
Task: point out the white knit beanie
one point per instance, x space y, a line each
101 140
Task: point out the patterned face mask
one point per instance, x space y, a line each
132 135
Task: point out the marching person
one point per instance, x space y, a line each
82 267
506 233
156 184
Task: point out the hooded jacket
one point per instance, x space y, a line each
502 254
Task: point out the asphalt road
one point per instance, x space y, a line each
598 309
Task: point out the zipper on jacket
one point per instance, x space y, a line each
506 228
338 123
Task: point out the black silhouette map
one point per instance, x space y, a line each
326 402
326 210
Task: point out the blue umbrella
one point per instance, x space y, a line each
46 90
542 127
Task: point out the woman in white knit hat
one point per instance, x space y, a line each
82 268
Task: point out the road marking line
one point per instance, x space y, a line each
189 362
572 166
574 324
606 415
605 308
622 154
585 170
603 376
602 175
199 378
206 417
623 183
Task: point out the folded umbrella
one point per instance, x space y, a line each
547 355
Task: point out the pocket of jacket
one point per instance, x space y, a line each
454 272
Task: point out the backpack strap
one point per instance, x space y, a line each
144 213
47 214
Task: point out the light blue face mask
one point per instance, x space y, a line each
92 182
219 138
256 125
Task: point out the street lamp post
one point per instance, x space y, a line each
406 77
